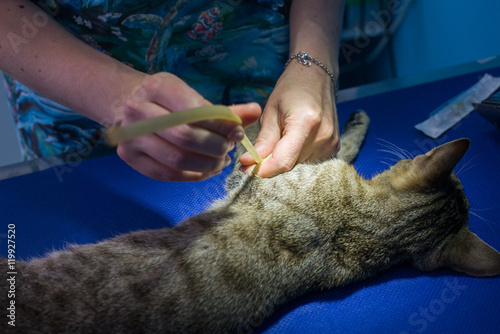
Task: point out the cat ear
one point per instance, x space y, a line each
427 169
469 254
439 162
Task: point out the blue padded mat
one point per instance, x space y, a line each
93 200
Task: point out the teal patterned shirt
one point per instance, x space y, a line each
230 51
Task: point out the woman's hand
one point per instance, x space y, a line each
189 152
300 119
299 122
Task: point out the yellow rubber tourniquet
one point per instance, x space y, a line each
117 134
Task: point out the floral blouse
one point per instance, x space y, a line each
230 51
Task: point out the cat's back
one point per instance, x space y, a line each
312 189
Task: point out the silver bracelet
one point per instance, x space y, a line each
305 59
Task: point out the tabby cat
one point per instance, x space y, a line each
318 226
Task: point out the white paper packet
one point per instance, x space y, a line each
450 113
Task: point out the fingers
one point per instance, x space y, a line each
308 135
148 166
153 156
249 112
327 145
269 135
175 157
188 152
289 149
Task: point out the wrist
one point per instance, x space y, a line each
315 27
123 85
307 60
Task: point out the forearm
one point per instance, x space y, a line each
57 65
299 122
315 27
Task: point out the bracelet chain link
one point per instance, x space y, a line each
305 59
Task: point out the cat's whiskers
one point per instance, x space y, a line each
392 160
489 223
485 209
402 153
466 166
387 163
400 156
392 149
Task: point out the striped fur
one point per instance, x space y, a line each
271 240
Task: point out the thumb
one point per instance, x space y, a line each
249 112
265 143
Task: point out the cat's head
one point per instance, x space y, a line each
441 209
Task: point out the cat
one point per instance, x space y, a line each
319 226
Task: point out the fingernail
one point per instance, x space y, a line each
248 170
237 134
